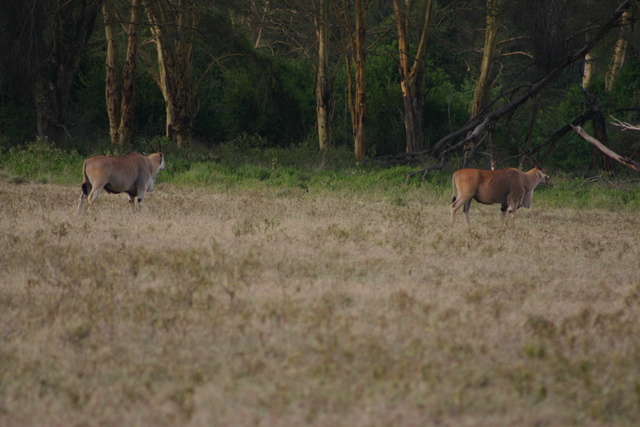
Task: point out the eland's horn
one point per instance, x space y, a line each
153 149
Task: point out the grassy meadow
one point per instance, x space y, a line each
272 296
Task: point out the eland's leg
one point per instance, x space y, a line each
132 202
455 205
95 192
465 209
511 209
503 211
81 204
142 190
86 190
460 202
512 214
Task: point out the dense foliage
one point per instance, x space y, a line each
254 68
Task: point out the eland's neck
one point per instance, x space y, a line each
532 178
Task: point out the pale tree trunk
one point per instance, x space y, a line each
323 89
120 91
412 75
483 85
113 83
588 69
170 25
619 52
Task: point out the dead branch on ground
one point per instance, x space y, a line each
596 179
615 156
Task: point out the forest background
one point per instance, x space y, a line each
382 78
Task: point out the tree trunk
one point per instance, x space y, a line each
71 26
323 89
352 39
483 85
598 159
120 83
361 90
170 29
113 84
588 69
128 105
412 75
617 58
47 112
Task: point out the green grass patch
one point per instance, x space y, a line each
594 192
304 167
41 162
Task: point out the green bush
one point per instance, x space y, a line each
42 162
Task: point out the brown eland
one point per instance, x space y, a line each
509 187
132 173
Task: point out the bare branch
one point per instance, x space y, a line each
624 125
519 52
424 171
600 146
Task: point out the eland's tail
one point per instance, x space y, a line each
453 189
85 180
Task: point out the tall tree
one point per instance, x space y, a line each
483 84
280 27
619 53
412 73
46 41
172 24
353 28
120 89
360 110
324 85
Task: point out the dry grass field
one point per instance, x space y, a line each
291 308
